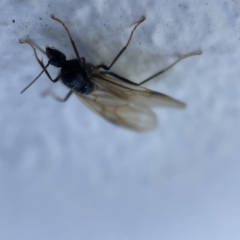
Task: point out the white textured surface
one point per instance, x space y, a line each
67 174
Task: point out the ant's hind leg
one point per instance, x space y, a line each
156 74
199 52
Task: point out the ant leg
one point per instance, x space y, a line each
52 94
73 44
156 74
118 77
199 52
123 49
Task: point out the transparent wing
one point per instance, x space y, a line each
119 111
126 104
134 93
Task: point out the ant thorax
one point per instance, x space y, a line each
76 77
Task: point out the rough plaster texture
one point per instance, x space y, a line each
65 173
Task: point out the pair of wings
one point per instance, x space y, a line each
126 104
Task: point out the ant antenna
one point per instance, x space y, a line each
39 61
69 35
34 79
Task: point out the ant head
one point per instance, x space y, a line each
56 58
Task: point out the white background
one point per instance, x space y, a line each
65 173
